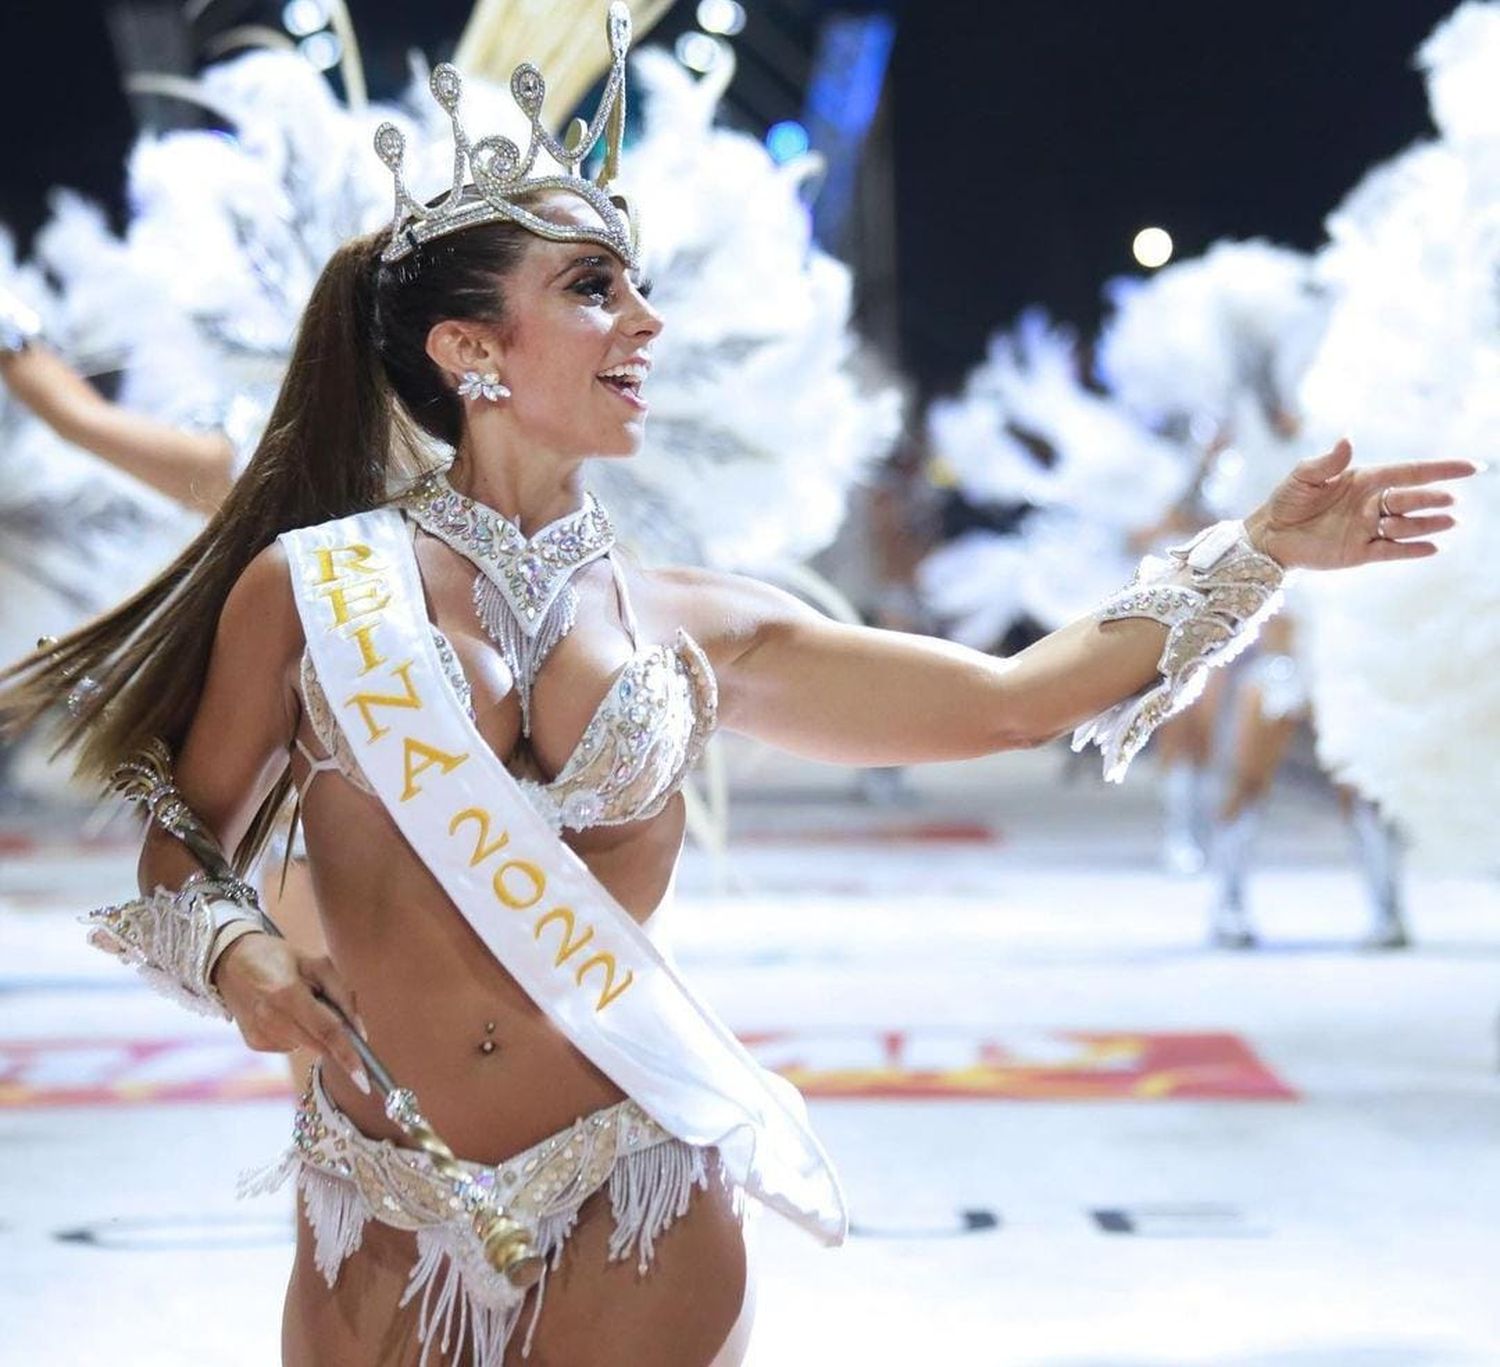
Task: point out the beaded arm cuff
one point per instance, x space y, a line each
173 938
1213 595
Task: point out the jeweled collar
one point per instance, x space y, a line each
531 572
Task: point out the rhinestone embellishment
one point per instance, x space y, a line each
505 177
522 593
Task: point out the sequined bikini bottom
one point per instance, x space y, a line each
347 1179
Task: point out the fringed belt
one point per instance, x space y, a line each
347 1179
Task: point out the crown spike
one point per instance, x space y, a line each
620 27
529 89
447 86
503 176
390 147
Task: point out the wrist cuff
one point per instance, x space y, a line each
226 936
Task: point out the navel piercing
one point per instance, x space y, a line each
486 386
488 1046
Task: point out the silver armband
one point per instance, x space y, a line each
20 325
1213 595
174 938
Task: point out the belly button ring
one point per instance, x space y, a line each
488 1046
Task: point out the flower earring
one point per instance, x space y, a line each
477 386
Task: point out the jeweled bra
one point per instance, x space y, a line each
647 732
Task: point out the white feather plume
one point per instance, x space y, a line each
765 410
1404 675
1187 343
1108 477
1460 59
75 534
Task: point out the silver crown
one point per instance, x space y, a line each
502 175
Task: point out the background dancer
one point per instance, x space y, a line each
1411 342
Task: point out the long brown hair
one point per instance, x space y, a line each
359 394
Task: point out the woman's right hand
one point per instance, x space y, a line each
269 989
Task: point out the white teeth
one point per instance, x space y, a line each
634 372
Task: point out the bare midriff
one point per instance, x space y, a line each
427 988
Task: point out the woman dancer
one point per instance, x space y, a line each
403 664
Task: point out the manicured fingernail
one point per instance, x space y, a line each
361 1080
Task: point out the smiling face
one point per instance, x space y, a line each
575 348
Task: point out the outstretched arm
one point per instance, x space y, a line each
856 695
195 469
861 695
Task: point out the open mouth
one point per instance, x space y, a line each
626 381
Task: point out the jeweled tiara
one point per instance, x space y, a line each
500 175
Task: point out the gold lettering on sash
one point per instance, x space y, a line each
357 552
569 946
609 992
531 871
350 581
428 755
361 600
365 701
372 658
482 851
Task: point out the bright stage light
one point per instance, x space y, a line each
721 16
1152 247
302 17
698 52
787 140
323 50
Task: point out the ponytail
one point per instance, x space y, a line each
137 672
361 402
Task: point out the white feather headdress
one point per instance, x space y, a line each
762 415
1108 477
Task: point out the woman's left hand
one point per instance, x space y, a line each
1327 516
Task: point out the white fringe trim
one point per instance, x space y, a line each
168 937
336 1211
463 1301
647 1192
337 1215
263 1181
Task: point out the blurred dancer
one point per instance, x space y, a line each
1413 348
195 468
1190 351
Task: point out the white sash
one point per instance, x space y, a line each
548 921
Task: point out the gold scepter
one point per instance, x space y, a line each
507 1244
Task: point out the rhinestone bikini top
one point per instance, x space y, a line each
646 734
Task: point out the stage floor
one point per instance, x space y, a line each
1071 1135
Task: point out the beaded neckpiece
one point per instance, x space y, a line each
522 593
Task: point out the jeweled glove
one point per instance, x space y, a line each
1213 594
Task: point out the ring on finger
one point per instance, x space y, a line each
1380 529
1385 508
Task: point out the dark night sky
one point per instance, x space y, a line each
1031 139
1034 139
